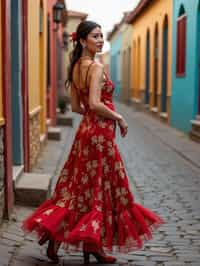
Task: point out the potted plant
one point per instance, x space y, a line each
62 104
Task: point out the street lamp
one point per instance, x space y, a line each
57 12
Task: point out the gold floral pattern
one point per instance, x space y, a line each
95 225
48 212
83 228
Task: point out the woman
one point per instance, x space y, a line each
92 208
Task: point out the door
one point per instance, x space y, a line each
156 68
17 133
164 66
147 68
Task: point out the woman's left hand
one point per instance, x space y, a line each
123 127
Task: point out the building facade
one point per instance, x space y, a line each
126 56
37 11
6 182
25 57
152 55
104 58
185 102
115 38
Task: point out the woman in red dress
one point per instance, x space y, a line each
92 208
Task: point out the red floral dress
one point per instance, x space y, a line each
92 202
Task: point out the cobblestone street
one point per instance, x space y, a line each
164 170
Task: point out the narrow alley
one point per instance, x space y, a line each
164 177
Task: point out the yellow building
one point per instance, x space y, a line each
126 50
152 54
104 58
37 33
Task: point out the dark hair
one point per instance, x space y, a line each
82 31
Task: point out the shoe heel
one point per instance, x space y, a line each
43 240
86 257
51 253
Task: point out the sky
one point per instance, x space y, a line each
104 12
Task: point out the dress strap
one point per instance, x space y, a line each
74 85
106 75
80 77
86 77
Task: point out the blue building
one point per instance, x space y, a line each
115 38
185 99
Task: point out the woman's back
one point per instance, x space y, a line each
82 74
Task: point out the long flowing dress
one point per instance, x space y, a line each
92 202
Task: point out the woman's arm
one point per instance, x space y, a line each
95 99
75 101
95 94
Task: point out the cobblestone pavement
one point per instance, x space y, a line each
165 176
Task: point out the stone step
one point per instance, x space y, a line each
17 173
64 120
54 133
32 189
195 123
198 117
195 127
138 105
195 135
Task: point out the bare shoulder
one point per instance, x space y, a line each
98 65
97 68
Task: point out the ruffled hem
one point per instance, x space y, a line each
122 232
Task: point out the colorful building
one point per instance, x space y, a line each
34 83
126 56
104 58
53 44
36 75
115 38
6 182
26 63
152 55
185 100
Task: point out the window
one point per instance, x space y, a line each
181 43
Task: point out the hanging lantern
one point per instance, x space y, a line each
57 12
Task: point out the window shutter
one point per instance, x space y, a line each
181 46
183 24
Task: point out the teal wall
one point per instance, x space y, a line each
115 63
16 47
184 100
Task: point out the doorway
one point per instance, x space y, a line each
16 88
164 66
147 85
155 97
